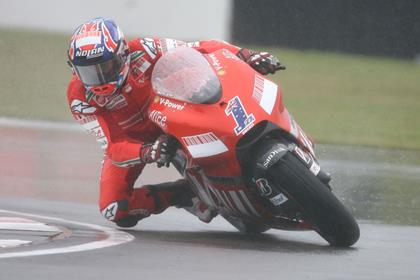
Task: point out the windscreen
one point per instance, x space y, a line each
184 74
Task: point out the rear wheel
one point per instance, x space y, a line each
318 204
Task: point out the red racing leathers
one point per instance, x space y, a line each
121 125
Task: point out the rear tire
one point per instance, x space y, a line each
320 207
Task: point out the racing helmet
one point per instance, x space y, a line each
99 56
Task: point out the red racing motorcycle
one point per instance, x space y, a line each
241 150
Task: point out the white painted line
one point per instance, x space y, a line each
28 227
15 220
10 243
114 237
16 223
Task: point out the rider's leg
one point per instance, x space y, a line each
125 205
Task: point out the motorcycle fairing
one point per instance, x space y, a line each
229 198
245 99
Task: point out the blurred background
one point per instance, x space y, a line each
353 73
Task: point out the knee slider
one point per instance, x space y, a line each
127 221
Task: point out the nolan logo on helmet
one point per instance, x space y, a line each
99 51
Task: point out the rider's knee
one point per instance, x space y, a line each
114 210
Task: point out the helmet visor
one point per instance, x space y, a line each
101 73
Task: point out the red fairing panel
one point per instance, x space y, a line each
121 122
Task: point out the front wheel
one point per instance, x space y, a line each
319 205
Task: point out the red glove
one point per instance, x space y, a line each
262 62
161 151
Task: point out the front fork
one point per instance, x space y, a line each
267 153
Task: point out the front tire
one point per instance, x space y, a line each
319 205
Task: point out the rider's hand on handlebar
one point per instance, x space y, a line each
161 151
262 62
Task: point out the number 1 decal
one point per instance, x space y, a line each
244 122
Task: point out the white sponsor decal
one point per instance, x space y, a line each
169 44
149 46
102 100
264 186
158 118
226 53
168 103
204 145
81 107
92 126
144 66
139 68
271 156
91 53
279 199
265 93
315 168
195 44
116 102
215 62
110 211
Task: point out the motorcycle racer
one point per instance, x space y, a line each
109 93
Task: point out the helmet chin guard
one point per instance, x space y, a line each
104 90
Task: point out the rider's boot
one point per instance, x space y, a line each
154 199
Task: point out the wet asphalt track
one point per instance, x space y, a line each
52 173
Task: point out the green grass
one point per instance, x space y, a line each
34 75
350 99
336 98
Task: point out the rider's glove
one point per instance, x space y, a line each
262 62
161 151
